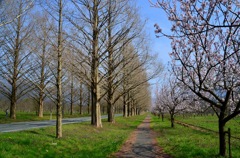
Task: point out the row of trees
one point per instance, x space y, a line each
75 51
205 53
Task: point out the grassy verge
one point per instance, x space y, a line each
188 143
23 116
211 122
79 140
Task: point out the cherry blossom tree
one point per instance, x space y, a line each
172 97
205 53
158 108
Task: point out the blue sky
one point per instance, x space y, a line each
161 46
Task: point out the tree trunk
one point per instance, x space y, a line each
128 109
222 142
14 89
125 106
111 108
89 101
96 110
63 108
93 110
42 79
95 87
15 71
131 108
71 94
80 99
13 105
40 102
172 119
59 75
59 121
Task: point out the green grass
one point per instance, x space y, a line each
188 143
23 116
211 122
79 140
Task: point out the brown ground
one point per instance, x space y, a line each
142 143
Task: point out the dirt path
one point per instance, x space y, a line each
142 143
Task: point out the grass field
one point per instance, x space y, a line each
211 122
188 143
79 140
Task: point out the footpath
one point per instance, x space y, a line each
142 143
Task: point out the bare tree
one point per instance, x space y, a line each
59 71
40 75
137 63
6 10
15 55
141 97
123 26
89 18
55 9
72 93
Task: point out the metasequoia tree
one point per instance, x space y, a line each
72 96
59 71
15 55
89 19
6 10
137 69
123 26
114 29
205 52
140 95
73 92
141 98
83 97
40 75
78 65
55 9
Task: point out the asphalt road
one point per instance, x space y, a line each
20 126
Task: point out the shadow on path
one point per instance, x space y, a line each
141 144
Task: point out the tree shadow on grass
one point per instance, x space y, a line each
38 133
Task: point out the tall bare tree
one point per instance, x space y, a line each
41 75
123 26
89 18
137 69
59 71
73 84
55 9
6 10
15 55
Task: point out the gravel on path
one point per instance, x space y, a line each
142 143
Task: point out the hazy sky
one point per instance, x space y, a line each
161 46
